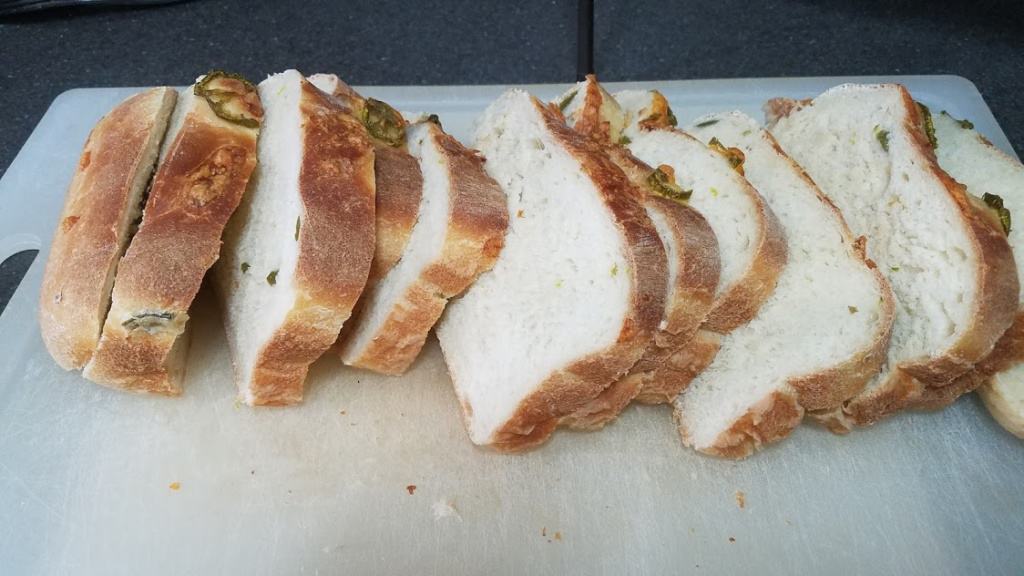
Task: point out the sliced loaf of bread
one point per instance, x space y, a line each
208 155
297 253
576 293
751 242
399 181
950 268
458 234
103 202
693 266
998 179
819 337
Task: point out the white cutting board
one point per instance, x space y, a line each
321 488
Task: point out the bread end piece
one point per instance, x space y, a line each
95 226
206 161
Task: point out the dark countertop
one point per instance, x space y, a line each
482 42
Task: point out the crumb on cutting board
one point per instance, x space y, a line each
411 489
175 486
741 499
557 536
445 509
732 539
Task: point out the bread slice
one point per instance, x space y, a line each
458 234
397 173
950 268
297 254
819 337
1003 395
988 172
575 294
693 266
103 202
208 155
751 242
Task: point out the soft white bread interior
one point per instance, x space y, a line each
575 294
103 203
297 253
949 266
997 178
816 340
209 153
693 268
458 234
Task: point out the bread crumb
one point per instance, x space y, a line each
343 412
445 509
558 535
411 488
519 214
175 486
544 531
741 499
731 539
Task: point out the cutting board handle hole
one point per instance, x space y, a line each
12 270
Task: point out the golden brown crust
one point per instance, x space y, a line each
195 190
566 390
590 122
94 226
336 243
674 357
399 188
477 220
399 191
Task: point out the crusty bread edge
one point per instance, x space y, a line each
185 202
72 343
